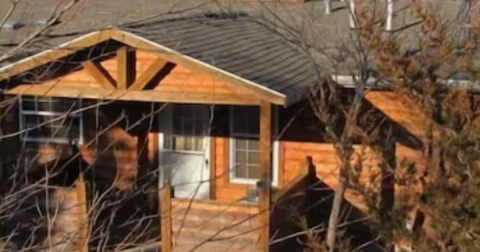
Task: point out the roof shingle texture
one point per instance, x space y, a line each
250 47
238 45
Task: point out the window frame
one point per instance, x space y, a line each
167 139
231 149
56 140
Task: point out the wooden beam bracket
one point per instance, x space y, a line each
147 76
100 75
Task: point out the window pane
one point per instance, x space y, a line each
246 120
187 143
199 144
240 157
52 127
53 105
59 120
33 128
187 128
240 144
62 106
68 129
198 127
254 145
247 159
253 158
240 171
253 171
178 143
74 128
177 125
29 105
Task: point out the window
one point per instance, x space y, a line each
50 120
247 159
245 145
188 128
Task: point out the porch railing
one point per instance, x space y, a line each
205 225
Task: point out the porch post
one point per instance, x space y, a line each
165 206
1 133
265 174
83 220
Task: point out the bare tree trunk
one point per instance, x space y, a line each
335 213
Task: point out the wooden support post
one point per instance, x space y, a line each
213 169
1 149
82 214
265 190
153 165
126 67
166 218
153 149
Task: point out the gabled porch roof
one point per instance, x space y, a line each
246 54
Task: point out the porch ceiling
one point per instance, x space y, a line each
116 87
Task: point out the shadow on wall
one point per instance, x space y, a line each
113 153
112 160
27 217
306 205
34 199
319 204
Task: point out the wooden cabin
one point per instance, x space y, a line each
215 112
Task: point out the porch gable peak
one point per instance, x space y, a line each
127 79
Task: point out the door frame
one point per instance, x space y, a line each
207 143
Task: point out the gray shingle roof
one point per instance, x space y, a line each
90 15
239 45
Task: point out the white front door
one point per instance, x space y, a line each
185 150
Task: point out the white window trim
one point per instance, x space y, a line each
231 152
24 136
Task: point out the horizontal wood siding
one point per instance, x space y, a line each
326 163
293 155
226 191
401 110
